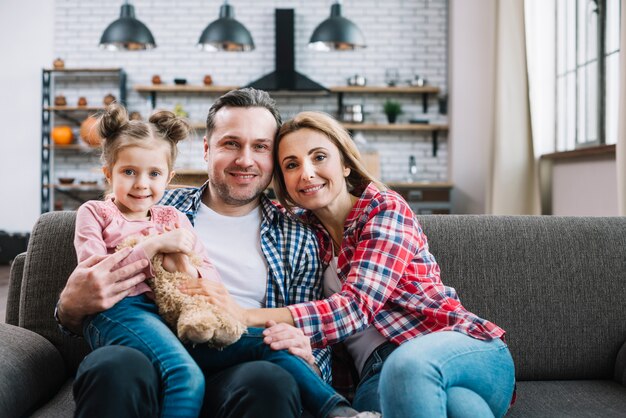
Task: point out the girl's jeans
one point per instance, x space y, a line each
437 375
134 322
318 397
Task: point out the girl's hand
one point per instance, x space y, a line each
217 295
173 240
178 240
174 262
288 337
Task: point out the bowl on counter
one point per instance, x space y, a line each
66 180
180 81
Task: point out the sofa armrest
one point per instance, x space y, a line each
32 371
15 286
620 365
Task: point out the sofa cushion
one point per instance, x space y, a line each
61 406
555 284
569 398
50 260
31 371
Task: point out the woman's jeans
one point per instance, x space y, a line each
447 374
318 397
134 322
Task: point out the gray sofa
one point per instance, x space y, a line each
557 285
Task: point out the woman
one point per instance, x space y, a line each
418 351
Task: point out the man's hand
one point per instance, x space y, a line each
96 285
288 337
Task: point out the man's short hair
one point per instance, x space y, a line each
245 97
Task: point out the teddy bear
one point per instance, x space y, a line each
193 318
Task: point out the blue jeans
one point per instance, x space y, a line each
134 322
318 397
366 397
447 374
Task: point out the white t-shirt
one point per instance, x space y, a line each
234 247
363 343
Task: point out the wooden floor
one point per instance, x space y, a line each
4 288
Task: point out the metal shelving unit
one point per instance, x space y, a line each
48 77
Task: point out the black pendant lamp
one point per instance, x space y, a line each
226 33
337 33
127 33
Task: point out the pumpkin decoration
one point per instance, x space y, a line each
208 80
60 100
156 79
62 135
89 132
82 101
58 64
108 99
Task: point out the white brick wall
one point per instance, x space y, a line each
410 35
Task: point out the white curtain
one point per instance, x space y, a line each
513 186
621 136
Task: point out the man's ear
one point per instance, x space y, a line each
107 173
206 148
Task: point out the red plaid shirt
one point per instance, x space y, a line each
389 279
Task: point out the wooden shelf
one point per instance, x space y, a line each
73 108
183 88
83 70
420 185
76 187
419 127
72 147
385 89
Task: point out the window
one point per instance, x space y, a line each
587 87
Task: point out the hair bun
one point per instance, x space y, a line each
170 126
111 121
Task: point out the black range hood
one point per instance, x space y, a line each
285 76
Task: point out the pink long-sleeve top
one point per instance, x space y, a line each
101 227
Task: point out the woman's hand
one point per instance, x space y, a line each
217 295
288 337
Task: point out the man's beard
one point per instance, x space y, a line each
229 194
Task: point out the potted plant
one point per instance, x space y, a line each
392 110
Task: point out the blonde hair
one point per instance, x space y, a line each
119 132
325 124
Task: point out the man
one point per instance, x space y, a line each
264 258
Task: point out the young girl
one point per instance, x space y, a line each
138 159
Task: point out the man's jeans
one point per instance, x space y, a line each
318 397
134 322
447 374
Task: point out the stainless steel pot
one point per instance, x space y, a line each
357 80
352 113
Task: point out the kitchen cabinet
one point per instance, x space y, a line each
91 80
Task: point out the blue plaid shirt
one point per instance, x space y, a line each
291 252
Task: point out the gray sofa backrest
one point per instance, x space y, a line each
557 285
50 259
